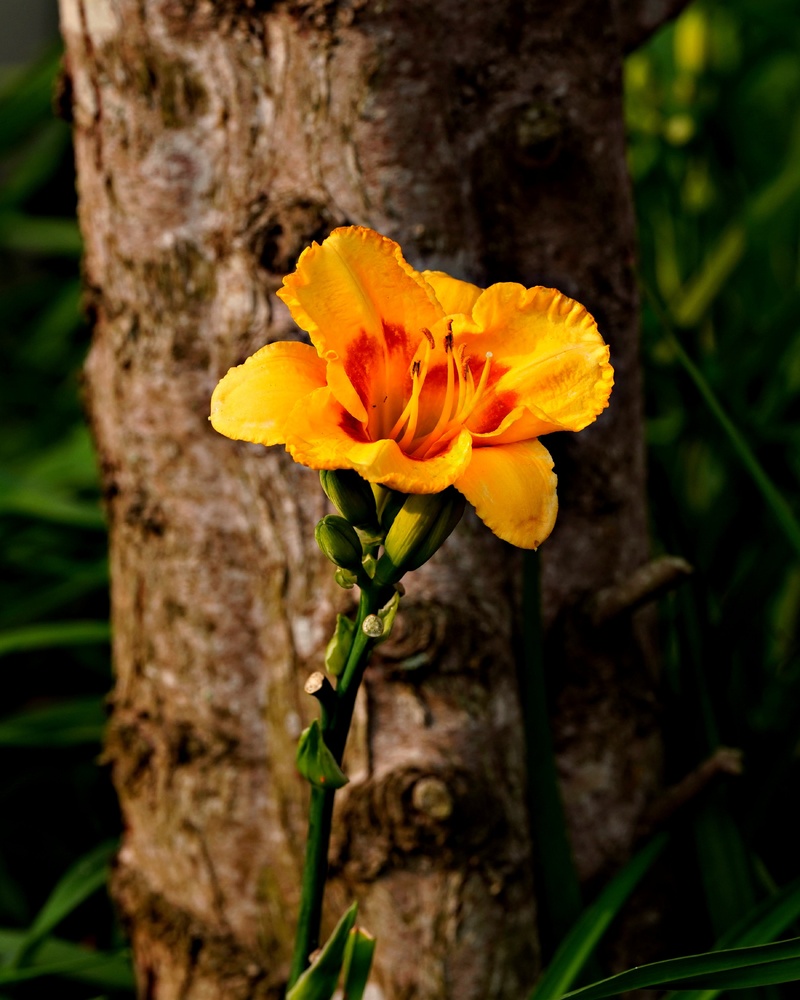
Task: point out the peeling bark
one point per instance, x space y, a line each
213 142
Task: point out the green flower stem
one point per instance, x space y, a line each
335 728
315 870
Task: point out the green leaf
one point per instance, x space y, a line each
34 234
32 501
31 605
25 100
65 723
52 634
315 761
47 336
107 971
79 882
724 864
774 499
581 941
34 169
559 898
68 463
319 981
338 649
736 968
357 963
693 300
387 615
762 924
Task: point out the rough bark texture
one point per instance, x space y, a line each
213 142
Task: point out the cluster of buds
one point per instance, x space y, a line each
409 527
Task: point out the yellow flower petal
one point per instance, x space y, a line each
364 308
454 296
546 353
323 435
513 490
520 424
253 400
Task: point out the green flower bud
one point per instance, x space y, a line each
352 496
388 503
338 540
419 529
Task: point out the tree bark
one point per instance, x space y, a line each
214 141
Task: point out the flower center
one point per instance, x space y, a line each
433 418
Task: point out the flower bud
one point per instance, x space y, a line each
352 496
388 504
338 540
419 529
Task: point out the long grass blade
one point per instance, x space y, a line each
559 896
38 235
53 634
26 99
357 963
571 957
692 302
320 979
772 496
761 925
731 969
82 880
104 970
93 967
28 501
724 864
65 723
35 168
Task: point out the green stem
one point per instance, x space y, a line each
335 730
315 871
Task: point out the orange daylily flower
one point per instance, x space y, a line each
419 381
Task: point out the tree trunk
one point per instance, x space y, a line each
214 141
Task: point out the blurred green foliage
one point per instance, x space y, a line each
713 115
57 811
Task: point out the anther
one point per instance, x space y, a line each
429 336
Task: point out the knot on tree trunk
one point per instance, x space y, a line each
442 811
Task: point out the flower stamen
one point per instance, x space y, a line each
418 372
463 415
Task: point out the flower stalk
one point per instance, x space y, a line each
418 528
335 728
